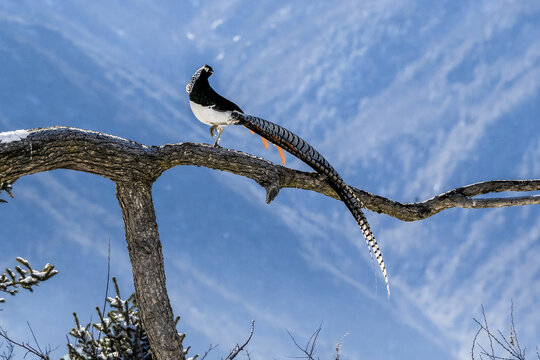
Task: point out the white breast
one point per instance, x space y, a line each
209 116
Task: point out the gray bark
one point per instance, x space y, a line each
144 248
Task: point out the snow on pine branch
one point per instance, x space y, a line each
25 277
118 336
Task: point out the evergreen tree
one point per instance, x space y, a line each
119 335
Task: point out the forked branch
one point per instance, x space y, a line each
510 348
121 160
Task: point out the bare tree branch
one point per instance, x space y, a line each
475 339
34 337
8 353
309 349
106 289
120 159
210 348
510 346
26 346
237 349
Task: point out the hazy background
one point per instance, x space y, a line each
406 99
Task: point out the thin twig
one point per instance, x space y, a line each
514 332
474 342
295 343
312 350
35 340
309 345
487 330
210 348
237 349
8 353
491 336
25 346
511 346
108 281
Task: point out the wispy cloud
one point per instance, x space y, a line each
87 221
479 270
447 118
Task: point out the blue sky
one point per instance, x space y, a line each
406 99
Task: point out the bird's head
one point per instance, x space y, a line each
208 69
203 73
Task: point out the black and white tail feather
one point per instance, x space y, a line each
305 152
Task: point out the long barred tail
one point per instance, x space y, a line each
355 207
305 152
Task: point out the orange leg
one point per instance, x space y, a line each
265 143
281 154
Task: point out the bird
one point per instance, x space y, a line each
214 110
207 105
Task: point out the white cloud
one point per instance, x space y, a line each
216 24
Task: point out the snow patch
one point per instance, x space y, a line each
10 136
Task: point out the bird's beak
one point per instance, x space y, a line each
208 69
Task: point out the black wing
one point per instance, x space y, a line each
222 104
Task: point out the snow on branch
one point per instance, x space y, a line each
26 277
10 136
